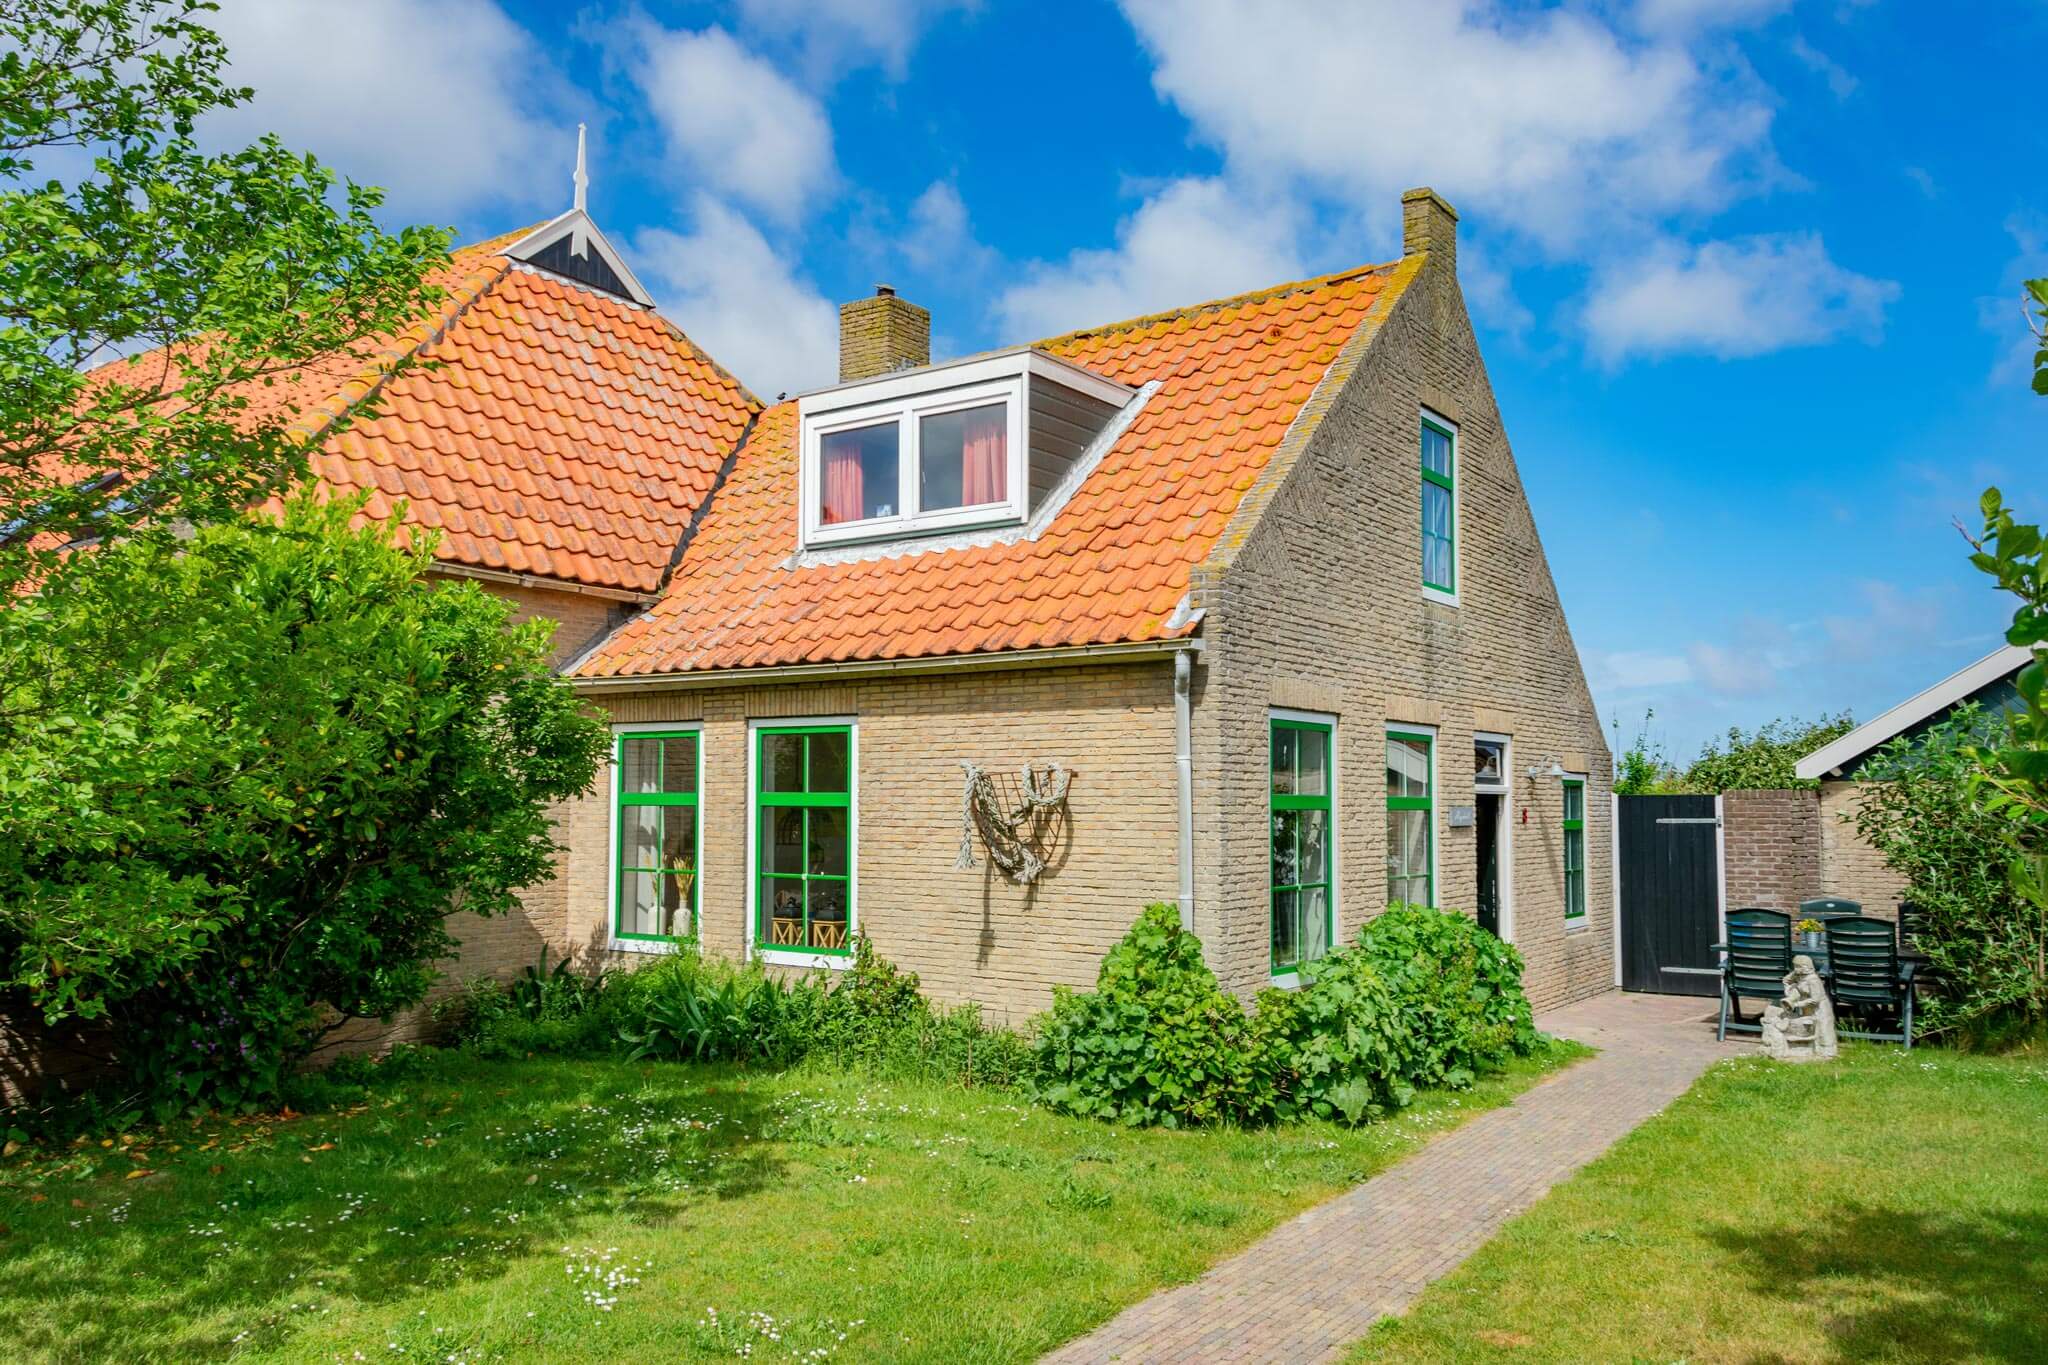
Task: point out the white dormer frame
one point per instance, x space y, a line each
903 399
588 237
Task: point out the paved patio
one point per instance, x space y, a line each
1318 1282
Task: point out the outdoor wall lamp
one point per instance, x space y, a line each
1555 770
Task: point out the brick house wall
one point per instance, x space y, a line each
1318 606
1849 866
970 935
1771 849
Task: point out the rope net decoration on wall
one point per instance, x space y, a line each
1019 818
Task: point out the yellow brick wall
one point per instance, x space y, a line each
970 935
1321 608
1849 866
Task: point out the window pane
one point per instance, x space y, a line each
1407 767
1312 863
784 897
678 838
1315 922
1284 749
673 891
679 764
1574 802
1488 761
1286 938
828 913
1408 856
1313 763
782 839
827 842
782 763
1286 837
640 765
857 474
964 457
640 828
828 763
1436 451
1436 534
639 903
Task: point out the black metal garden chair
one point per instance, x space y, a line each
1867 979
1754 962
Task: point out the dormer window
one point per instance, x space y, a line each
945 447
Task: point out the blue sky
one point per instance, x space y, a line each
1746 272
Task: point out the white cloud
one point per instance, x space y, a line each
1892 621
1692 16
1741 297
1629 669
1731 672
740 127
1551 124
439 101
1193 240
838 34
725 286
1840 83
939 239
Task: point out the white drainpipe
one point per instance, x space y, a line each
1183 758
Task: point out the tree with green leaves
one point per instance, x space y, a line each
245 775
156 298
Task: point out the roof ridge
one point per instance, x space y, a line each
321 418
1270 291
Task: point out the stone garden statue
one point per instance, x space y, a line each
1801 1027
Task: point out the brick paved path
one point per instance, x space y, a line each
1318 1282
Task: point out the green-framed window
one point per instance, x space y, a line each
1574 849
1410 818
803 832
657 822
1302 836
1439 507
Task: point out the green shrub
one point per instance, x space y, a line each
1457 990
1349 1053
692 1009
1157 1041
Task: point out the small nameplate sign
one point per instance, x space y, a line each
1462 817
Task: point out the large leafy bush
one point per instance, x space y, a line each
245 776
1983 937
1425 998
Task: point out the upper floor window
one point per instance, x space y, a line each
1439 508
945 447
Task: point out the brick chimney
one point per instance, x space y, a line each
1429 224
882 335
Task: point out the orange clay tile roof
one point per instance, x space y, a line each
1111 566
560 432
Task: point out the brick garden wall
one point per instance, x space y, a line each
1771 841
1849 866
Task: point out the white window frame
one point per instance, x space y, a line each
782 957
1334 845
904 398
1436 801
611 903
1435 418
1505 849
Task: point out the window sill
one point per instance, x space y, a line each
1288 980
1439 596
660 946
784 957
1582 925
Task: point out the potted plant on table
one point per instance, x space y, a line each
1811 933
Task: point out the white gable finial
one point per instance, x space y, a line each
582 179
578 242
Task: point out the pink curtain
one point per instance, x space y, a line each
983 466
842 483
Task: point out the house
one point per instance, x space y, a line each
1247 592
1258 573
1849 866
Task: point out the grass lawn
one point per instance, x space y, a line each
612 1211
1890 1207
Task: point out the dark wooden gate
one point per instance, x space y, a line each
1670 894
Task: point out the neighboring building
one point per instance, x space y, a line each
1848 865
1260 572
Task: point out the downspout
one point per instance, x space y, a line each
1184 761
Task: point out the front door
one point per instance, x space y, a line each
1670 894
1487 822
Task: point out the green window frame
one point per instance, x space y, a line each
803 839
1438 449
1574 849
658 831
1411 817
1301 841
